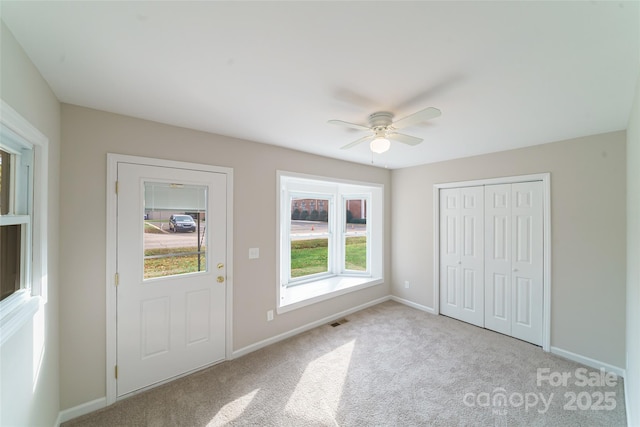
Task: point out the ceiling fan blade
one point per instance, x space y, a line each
358 141
349 125
420 116
405 139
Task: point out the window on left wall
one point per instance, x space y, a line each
16 191
23 221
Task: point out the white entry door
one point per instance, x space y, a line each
461 254
171 248
514 260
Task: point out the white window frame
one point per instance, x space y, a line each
343 245
331 236
293 293
19 308
20 200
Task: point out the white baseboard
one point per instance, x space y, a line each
413 304
83 409
260 344
588 361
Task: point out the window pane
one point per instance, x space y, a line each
309 237
174 229
10 250
171 262
355 250
5 173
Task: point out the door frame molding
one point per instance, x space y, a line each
111 255
546 220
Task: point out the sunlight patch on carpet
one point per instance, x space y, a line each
232 410
317 394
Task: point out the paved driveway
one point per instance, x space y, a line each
172 240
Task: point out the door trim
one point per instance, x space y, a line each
111 255
546 221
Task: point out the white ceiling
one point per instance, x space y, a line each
504 74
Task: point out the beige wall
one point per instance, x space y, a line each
30 397
587 225
632 381
88 135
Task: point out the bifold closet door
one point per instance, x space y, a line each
461 254
513 260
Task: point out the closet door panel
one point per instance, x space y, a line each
472 255
497 283
527 264
462 254
450 252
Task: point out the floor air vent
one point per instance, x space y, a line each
338 322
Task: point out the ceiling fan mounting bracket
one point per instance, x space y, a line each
381 119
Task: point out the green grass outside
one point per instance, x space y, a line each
356 253
148 228
310 256
307 257
170 266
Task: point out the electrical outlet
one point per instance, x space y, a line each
406 284
254 253
269 315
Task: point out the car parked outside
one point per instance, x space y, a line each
181 223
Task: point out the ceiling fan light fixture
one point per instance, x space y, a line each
380 145
384 128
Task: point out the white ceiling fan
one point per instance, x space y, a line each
384 129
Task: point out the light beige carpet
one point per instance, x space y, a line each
389 365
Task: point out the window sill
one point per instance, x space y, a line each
295 297
15 312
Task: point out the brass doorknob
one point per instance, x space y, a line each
220 266
220 279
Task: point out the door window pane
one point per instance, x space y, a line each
309 237
175 238
355 236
